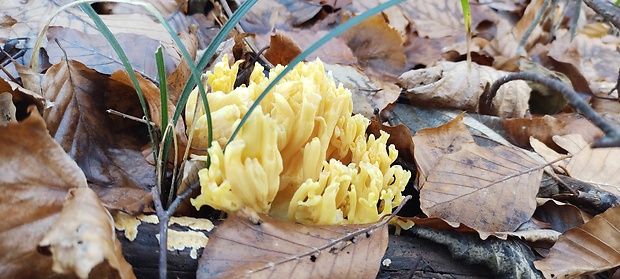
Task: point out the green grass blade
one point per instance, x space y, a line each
332 34
163 89
105 31
468 33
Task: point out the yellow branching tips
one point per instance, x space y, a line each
300 156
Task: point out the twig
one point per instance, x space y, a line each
606 9
612 133
163 233
127 116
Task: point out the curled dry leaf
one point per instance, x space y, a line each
263 247
490 190
588 249
456 85
106 147
83 241
23 97
36 175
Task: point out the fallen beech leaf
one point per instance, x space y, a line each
377 46
282 49
456 85
334 51
490 190
36 175
106 147
598 166
83 241
596 60
94 51
260 246
437 19
561 216
545 127
588 249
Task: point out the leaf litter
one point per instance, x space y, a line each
502 181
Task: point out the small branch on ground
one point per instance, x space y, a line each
606 9
612 133
164 216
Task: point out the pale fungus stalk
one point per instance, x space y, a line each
301 155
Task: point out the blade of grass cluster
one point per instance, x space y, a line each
467 19
332 34
105 31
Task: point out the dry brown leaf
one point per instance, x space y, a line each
456 85
400 137
263 247
437 19
588 249
545 127
7 109
377 46
599 166
596 60
106 147
23 97
282 49
95 52
83 240
36 175
335 51
396 16
490 190
561 216
177 79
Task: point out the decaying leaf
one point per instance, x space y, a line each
545 127
597 60
377 46
106 147
36 175
83 241
22 97
599 166
262 247
456 85
282 49
490 190
7 109
588 249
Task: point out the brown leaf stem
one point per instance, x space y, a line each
612 133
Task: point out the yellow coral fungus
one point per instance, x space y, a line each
301 155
